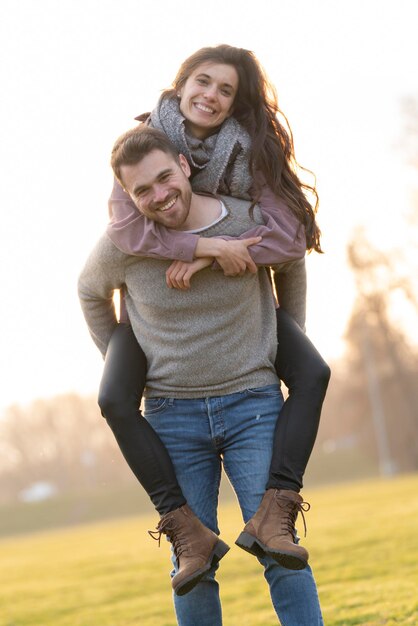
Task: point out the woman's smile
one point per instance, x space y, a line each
204 108
207 97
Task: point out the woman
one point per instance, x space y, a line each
221 114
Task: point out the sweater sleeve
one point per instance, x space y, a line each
290 283
103 272
135 234
283 236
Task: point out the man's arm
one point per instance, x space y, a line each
290 283
101 275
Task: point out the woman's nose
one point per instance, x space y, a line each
210 92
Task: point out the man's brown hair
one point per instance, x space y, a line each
135 144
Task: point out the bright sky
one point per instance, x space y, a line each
74 74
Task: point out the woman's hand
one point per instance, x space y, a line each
232 255
179 273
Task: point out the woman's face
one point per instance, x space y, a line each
207 97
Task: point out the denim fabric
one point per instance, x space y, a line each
237 431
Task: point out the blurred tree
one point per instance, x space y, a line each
374 393
373 400
62 440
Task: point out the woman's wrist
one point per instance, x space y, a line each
209 247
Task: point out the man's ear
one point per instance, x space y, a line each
184 164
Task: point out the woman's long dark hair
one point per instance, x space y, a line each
256 108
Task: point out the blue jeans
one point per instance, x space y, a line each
235 431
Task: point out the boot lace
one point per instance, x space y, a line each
292 509
167 526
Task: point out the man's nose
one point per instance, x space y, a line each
160 193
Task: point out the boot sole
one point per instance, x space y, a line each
219 551
254 546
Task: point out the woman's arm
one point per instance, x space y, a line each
282 235
133 233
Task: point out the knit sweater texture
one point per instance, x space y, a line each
217 338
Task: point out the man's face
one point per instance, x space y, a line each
160 188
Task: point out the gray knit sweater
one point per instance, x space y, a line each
217 338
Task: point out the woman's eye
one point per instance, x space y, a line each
202 81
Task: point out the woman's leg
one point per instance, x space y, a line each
271 531
120 395
119 399
306 375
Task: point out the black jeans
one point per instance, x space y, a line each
306 376
298 364
120 393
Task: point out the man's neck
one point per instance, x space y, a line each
204 210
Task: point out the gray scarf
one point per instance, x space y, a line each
220 162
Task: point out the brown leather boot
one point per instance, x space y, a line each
195 546
271 530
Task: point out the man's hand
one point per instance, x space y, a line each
232 255
179 273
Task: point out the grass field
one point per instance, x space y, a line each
362 538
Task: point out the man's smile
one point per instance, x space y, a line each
168 204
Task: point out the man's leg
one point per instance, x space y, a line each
184 427
249 423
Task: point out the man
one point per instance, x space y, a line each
212 393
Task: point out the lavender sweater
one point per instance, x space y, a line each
134 233
283 241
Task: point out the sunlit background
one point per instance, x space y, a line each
75 73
